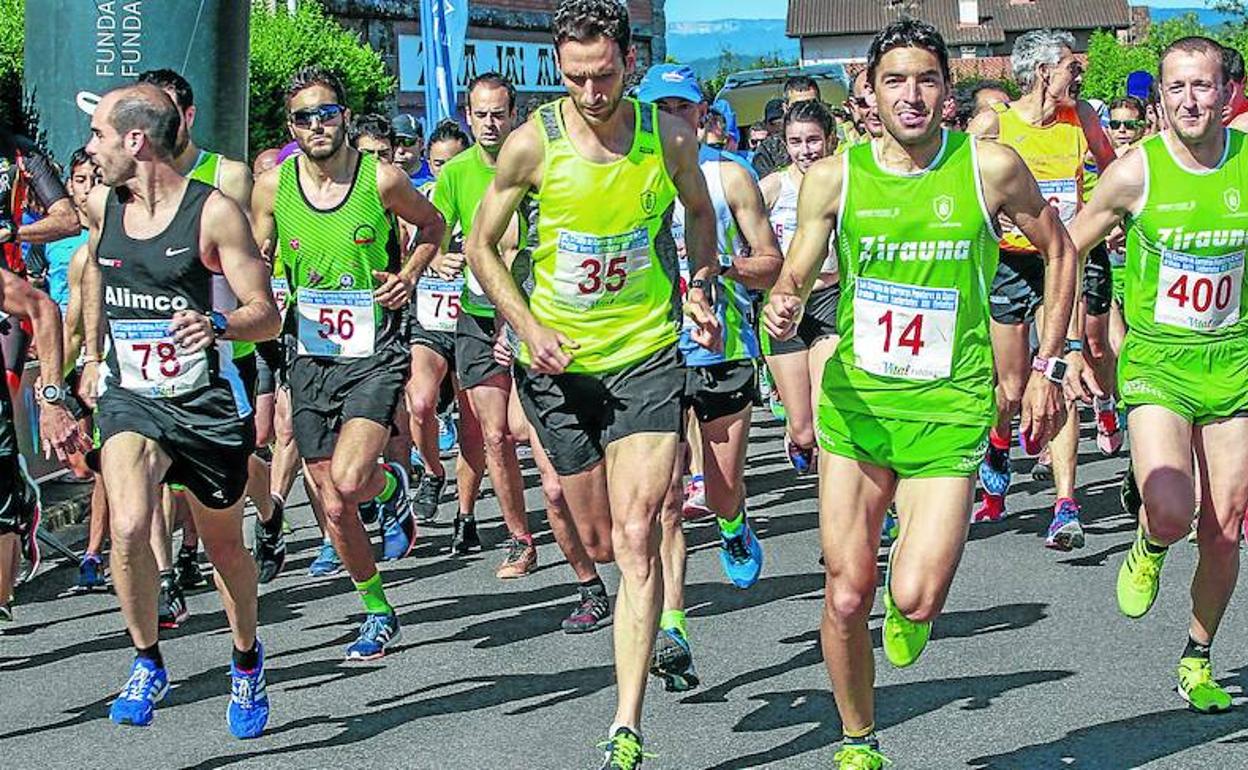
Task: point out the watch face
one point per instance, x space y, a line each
1059 371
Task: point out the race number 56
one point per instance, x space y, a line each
338 323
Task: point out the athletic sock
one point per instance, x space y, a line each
1195 649
373 594
1061 500
865 737
673 619
391 484
151 653
166 574
273 527
191 551
1152 547
731 527
246 661
997 440
593 586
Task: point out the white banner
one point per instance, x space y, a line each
529 66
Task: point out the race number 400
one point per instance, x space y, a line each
1199 293
904 331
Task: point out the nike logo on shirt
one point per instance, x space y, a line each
176 252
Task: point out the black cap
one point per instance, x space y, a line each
407 127
774 110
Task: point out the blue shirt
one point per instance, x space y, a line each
59 253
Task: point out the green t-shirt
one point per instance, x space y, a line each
460 188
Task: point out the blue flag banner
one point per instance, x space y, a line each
443 24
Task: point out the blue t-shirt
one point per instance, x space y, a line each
59 253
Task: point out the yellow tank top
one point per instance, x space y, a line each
1054 153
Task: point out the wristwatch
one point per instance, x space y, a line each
1053 369
52 394
219 322
1074 346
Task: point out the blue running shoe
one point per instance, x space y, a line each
376 633
90 574
1065 531
248 711
448 437
139 695
673 661
398 526
802 458
994 471
742 556
326 562
892 528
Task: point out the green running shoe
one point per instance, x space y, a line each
860 757
904 639
623 751
1196 686
1138 579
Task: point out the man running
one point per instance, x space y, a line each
170 407
1052 129
331 212
720 385
458 193
598 362
908 396
1180 196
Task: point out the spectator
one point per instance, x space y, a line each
409 147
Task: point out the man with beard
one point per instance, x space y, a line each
907 396
331 213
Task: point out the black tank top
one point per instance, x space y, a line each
145 282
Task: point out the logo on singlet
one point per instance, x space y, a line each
648 201
1231 198
943 207
364 235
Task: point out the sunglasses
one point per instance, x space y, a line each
406 141
327 114
1129 124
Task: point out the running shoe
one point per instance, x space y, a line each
448 437
186 567
1197 687
326 561
859 756
465 538
991 508
268 550
1065 531
1129 494
377 632
994 471
673 661
90 574
369 512
892 526
171 610
695 499
741 556
145 688
1108 432
591 613
28 519
1139 578
248 711
777 406
428 497
397 524
520 560
904 639
802 459
1043 469
623 751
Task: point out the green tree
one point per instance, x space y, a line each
730 63
1109 61
12 35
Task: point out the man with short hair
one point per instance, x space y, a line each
985 93
351 357
171 410
907 398
409 148
373 133
598 363
1183 364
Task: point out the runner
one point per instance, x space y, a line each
172 408
862 106
458 193
797 364
720 386
771 154
1052 129
598 360
907 397
1180 197
373 133
351 361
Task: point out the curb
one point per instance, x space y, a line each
69 504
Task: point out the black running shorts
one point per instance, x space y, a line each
1017 288
720 390
818 322
474 350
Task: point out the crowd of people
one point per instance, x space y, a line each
902 279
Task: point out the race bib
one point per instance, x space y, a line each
150 363
437 303
904 331
1063 195
1199 293
337 324
280 287
590 269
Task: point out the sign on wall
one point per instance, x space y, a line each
529 66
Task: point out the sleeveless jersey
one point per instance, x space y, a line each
459 190
603 260
733 305
917 254
783 218
1185 248
1054 153
145 282
328 256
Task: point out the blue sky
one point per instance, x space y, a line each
704 10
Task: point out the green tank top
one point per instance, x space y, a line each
1185 248
459 191
604 268
328 257
917 254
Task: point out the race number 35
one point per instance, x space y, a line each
603 273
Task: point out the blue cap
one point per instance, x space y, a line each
1140 84
668 81
730 118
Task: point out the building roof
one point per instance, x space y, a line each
809 18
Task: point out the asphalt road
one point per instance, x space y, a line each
1031 666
